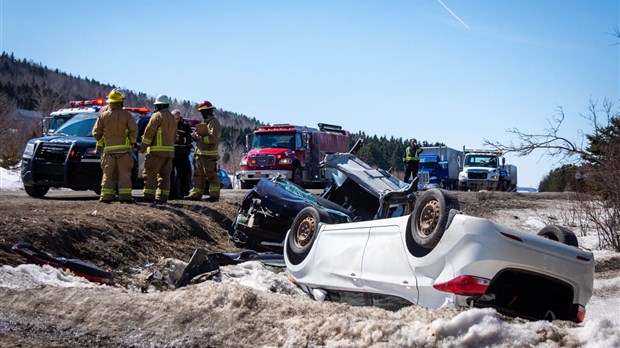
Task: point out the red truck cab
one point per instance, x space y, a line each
290 151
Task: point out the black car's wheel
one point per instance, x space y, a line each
303 233
430 216
296 176
36 191
559 234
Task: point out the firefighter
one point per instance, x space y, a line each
207 137
411 158
181 167
158 142
115 131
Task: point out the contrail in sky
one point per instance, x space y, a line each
453 14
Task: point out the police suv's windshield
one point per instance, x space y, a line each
268 140
80 125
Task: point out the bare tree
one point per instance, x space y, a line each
15 131
553 143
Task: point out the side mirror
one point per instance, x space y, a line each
248 142
307 139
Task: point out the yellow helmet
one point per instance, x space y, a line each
115 96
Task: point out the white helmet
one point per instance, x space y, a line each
162 99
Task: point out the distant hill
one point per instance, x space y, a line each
35 87
32 86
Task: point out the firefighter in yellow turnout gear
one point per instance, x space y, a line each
115 131
158 143
207 137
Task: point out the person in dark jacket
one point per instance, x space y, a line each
181 177
411 158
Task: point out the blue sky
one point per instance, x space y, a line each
457 73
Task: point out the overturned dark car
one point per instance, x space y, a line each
355 192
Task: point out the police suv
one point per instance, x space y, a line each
67 157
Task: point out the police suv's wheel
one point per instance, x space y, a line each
430 216
559 234
36 191
303 233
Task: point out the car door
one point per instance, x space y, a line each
338 256
385 266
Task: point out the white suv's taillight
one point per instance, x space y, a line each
581 314
464 285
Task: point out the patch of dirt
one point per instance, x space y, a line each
120 238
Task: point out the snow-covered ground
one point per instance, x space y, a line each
10 180
250 297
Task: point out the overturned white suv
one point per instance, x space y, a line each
435 257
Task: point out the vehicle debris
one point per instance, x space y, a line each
78 267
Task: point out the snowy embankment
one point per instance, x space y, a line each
251 305
257 306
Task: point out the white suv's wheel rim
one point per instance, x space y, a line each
305 231
429 218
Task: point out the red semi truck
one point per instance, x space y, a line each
294 152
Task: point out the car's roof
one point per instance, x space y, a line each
357 170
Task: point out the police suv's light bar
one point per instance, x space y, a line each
95 102
142 111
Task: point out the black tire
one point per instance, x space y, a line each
303 233
296 176
246 185
36 191
429 219
559 234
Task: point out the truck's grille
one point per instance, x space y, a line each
477 175
52 152
262 160
423 178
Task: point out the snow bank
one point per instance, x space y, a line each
10 180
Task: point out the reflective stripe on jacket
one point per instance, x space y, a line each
412 155
209 139
115 129
160 134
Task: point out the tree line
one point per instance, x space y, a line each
25 84
29 85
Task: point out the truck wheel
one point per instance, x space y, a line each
429 219
36 191
303 233
296 176
559 234
246 185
